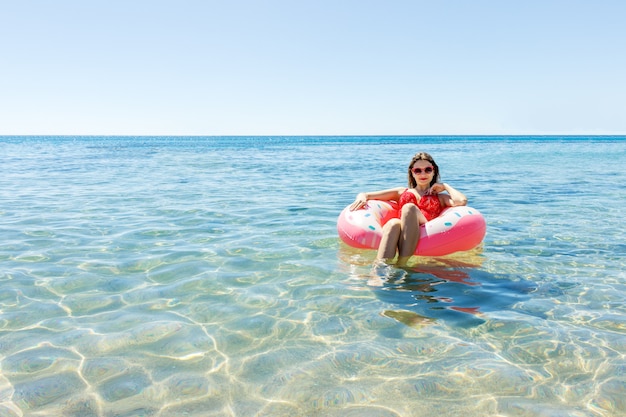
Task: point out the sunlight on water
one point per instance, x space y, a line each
204 277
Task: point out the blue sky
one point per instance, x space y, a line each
352 67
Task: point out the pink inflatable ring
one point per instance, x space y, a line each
457 228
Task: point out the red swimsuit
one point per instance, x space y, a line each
429 205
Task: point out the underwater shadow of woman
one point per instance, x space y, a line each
458 293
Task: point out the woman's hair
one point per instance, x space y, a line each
423 156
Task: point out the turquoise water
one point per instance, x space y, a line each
204 277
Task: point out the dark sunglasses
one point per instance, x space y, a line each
427 170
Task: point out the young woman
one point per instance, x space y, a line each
422 201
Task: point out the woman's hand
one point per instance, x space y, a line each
456 198
361 201
384 195
437 188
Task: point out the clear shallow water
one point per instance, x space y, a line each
204 276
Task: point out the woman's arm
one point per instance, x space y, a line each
385 195
455 197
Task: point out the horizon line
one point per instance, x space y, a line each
320 135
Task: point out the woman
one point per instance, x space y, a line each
421 202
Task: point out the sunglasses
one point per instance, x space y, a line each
427 170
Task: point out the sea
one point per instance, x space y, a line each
203 276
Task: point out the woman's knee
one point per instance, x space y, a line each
409 209
392 226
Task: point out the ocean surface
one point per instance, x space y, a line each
203 276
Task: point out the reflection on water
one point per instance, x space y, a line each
453 290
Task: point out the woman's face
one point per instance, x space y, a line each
423 172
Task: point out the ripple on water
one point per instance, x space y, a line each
259 325
260 297
96 370
611 395
128 384
35 393
531 407
79 406
361 411
9 297
612 322
10 410
35 360
198 395
172 272
265 364
333 326
76 283
86 304
190 343
30 257
181 386
27 316
350 360
143 334
498 378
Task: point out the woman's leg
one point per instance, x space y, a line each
389 243
410 221
401 235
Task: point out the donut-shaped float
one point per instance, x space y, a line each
456 229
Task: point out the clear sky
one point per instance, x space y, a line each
312 67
